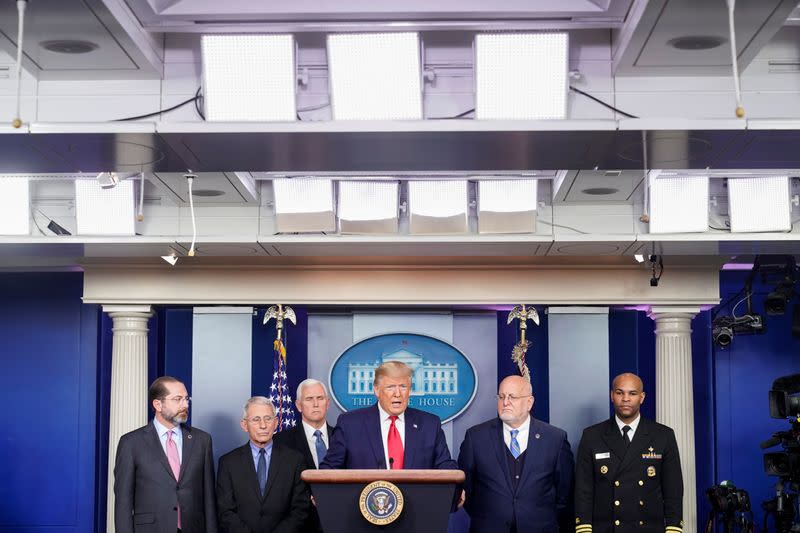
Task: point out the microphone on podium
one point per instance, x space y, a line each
391 463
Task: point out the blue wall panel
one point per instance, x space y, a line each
743 375
49 390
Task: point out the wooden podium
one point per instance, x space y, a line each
427 496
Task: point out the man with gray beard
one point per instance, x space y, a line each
164 471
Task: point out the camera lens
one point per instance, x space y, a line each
722 335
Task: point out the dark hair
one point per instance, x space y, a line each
158 389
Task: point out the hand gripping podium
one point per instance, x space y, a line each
355 501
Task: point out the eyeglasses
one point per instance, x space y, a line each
511 397
258 419
179 399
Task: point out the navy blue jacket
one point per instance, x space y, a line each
357 442
541 502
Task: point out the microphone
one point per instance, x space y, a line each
391 463
769 443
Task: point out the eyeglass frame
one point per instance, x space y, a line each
267 419
179 400
511 397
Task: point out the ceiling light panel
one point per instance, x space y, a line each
249 77
102 211
507 206
368 206
304 205
375 76
759 204
437 207
15 206
521 75
678 204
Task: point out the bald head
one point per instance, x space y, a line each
629 377
627 395
517 383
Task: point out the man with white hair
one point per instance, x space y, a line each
258 485
311 437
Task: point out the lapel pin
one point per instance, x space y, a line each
537 436
189 436
415 426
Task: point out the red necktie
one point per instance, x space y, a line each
395 446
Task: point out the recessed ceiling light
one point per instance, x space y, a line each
696 42
69 46
600 191
208 193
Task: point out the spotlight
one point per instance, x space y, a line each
171 259
107 180
775 303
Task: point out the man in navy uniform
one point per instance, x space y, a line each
628 476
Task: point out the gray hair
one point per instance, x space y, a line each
257 400
307 383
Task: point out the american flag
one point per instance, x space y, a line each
279 393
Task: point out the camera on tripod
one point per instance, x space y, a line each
726 499
784 403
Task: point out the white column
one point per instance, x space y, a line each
675 398
128 382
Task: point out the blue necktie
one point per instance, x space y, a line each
514 444
320 445
261 471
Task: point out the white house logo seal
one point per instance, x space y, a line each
381 503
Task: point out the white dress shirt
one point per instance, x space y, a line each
633 425
522 436
386 423
312 440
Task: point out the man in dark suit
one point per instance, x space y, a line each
628 476
519 470
164 471
259 489
312 436
389 434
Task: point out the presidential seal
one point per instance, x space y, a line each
381 503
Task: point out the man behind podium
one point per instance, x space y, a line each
389 434
259 489
518 469
311 437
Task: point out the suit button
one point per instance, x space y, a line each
641 482
177 487
641 523
616 502
174 508
616 522
616 483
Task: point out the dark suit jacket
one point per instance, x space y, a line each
283 509
644 477
295 438
542 499
147 494
357 442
